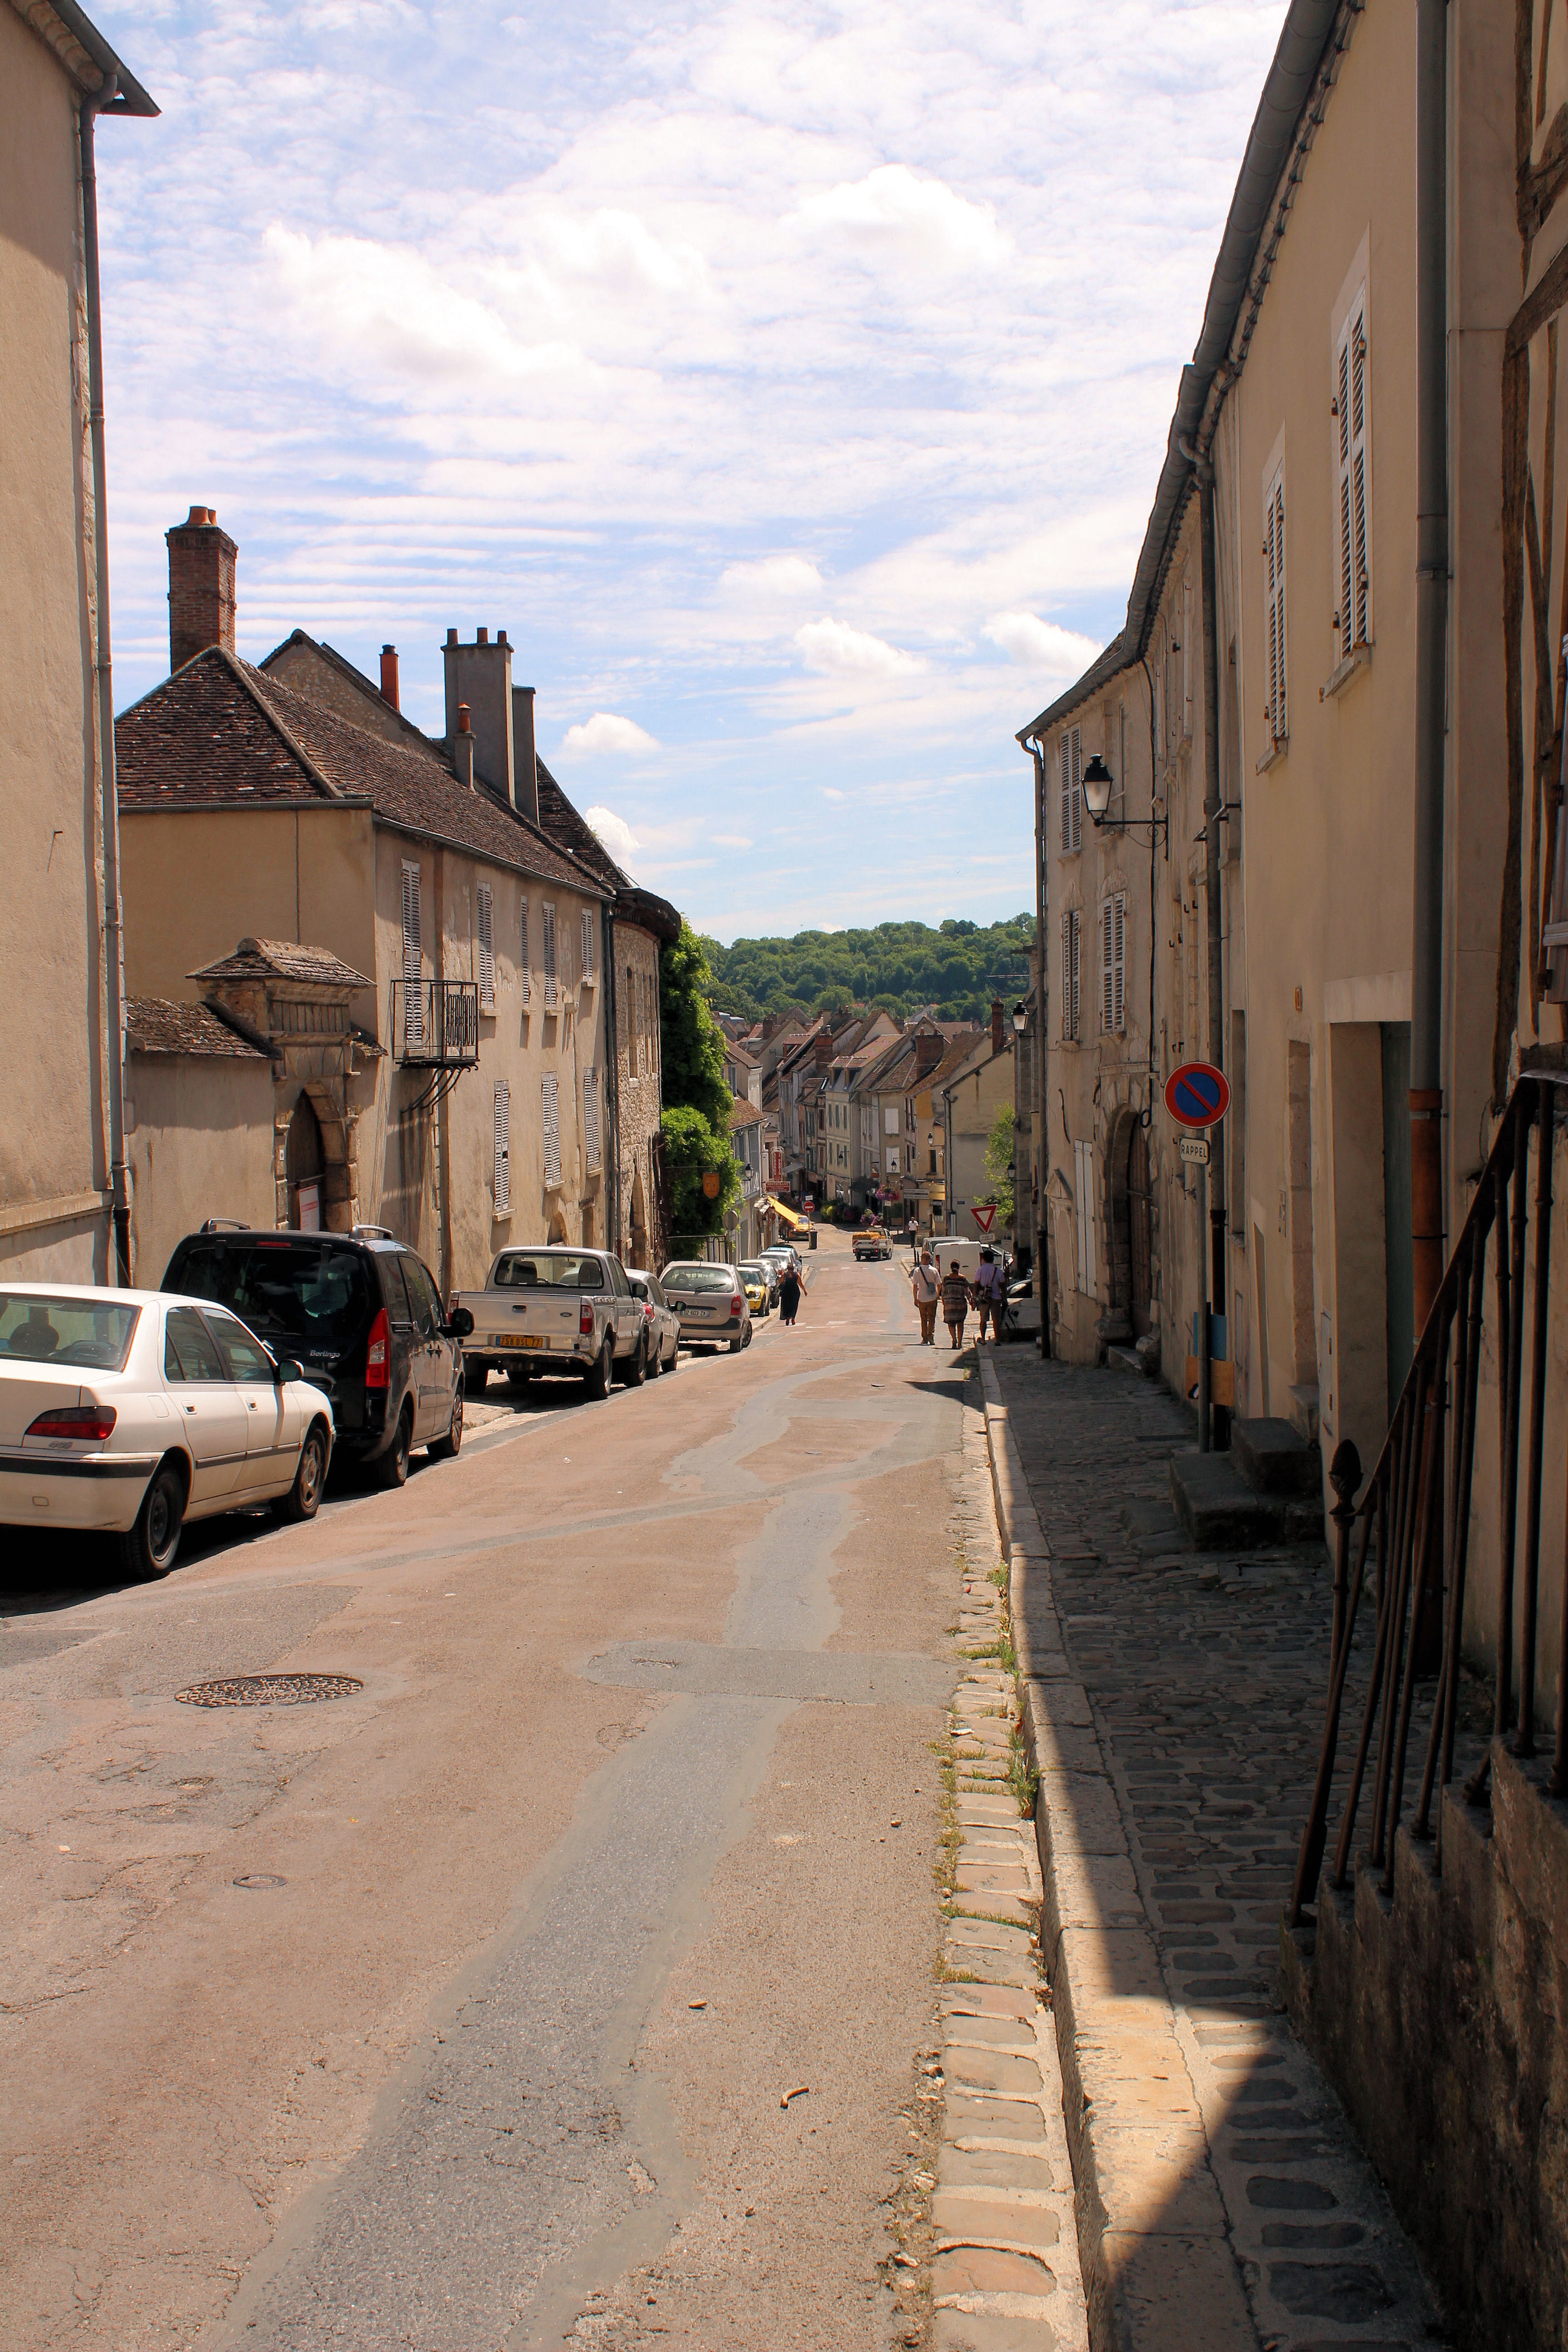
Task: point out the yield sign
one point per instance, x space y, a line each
985 1214
1197 1095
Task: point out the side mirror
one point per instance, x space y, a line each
286 1369
459 1323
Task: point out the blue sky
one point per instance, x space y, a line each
788 377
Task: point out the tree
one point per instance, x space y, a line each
1000 1162
691 1042
692 1151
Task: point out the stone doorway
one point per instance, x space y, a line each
304 1168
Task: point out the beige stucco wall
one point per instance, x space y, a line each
977 1096
200 1146
640 1084
53 1141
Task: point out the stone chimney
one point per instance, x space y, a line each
928 1051
463 748
480 675
389 676
201 587
997 1032
524 758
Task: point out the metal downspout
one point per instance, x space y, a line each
1431 640
1042 1157
113 929
1215 1170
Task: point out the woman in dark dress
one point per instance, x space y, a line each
789 1294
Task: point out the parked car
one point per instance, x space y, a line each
773 1267
663 1322
710 1304
553 1309
760 1284
129 1412
871 1242
362 1313
783 1255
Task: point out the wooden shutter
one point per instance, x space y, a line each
590 1118
587 943
1070 750
551 1088
502 1148
552 993
1083 1206
487 972
413 994
1072 938
522 945
1119 960
1107 965
1273 591
1352 399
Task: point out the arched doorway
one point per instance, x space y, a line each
1139 1232
557 1227
304 1166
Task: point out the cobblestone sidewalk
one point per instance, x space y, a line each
1177 1708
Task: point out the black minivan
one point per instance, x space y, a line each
363 1314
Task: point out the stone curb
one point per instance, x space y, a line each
1158 2272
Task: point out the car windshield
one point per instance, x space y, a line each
692 1278
755 1267
84 1332
310 1292
549 1270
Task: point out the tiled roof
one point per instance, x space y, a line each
745 1114
156 1025
282 960
219 733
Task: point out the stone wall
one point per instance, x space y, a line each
1439 2016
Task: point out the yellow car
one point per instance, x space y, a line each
755 1285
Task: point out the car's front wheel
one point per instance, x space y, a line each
442 1449
303 1500
148 1549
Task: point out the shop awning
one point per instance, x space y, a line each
791 1216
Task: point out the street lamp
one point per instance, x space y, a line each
1098 786
1020 1018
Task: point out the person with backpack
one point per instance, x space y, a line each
926 1285
990 1293
954 1302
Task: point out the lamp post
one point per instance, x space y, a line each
1099 783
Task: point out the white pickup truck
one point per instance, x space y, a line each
556 1310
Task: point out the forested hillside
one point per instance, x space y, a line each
959 968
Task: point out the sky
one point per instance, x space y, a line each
788 378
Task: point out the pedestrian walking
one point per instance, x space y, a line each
990 1291
789 1295
954 1302
926 1285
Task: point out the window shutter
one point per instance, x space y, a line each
1067 975
1107 965
1274 586
551 1088
587 943
1119 959
486 950
590 1118
1065 749
502 1178
522 942
412 995
552 993
1360 486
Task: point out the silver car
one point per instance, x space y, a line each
554 1309
711 1302
663 1322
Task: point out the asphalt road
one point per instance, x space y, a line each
459 2012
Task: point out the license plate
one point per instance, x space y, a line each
520 1339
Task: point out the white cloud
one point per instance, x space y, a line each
836 648
774 578
607 732
890 208
616 835
831 792
1040 646
731 840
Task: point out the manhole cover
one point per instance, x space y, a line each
270 1690
261 1878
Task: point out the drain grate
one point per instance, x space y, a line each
270 1690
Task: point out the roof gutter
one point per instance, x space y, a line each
1291 80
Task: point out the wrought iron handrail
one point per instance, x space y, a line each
1421 1520
435 1023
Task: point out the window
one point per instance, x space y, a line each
501 1149
1113 962
890 1119
245 1358
413 1001
1353 483
523 943
550 1087
551 993
190 1352
1275 712
1083 1204
1071 749
1071 944
587 943
591 1120
487 971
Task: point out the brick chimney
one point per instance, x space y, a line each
201 587
389 676
480 675
997 1032
928 1051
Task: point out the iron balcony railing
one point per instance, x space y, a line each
436 1024
1414 1516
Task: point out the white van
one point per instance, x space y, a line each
945 1247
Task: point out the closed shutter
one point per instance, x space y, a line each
587 943
522 946
487 974
1107 968
1274 621
590 1118
412 995
1083 1204
1352 401
502 1147
1070 750
1067 975
551 1087
552 994
1119 960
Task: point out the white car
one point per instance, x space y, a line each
130 1412
663 1322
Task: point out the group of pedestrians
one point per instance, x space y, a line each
954 1295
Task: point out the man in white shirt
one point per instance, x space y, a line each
926 1283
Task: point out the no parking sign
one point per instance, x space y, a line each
1197 1095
